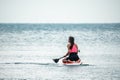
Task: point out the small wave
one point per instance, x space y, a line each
25 63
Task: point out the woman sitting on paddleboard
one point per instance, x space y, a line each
72 52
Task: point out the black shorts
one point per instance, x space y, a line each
73 57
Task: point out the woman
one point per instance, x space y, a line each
72 52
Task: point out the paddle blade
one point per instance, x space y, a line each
56 60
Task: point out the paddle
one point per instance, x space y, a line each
56 60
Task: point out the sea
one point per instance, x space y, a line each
27 51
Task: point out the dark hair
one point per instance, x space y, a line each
71 40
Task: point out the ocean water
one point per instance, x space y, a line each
27 50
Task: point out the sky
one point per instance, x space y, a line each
59 11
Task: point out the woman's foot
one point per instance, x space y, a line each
78 61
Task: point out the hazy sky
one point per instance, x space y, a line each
59 11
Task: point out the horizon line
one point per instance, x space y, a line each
59 23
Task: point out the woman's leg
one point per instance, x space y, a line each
64 60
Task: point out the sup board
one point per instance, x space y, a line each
76 64
72 63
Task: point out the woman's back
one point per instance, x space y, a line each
74 49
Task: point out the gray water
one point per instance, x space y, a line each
27 50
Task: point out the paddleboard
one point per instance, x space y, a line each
72 63
76 64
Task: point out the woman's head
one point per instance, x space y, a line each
71 41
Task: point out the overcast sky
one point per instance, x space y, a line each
60 11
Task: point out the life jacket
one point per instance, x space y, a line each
74 49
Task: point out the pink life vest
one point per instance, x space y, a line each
74 49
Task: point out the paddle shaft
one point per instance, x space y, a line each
56 60
64 56
61 57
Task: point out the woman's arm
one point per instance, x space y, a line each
77 48
68 46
